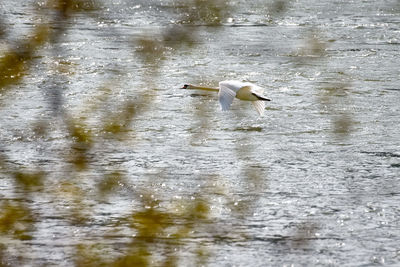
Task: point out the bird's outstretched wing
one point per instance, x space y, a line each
233 85
260 106
257 89
225 96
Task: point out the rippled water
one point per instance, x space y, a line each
327 148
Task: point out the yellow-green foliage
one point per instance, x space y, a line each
158 232
16 220
157 229
28 180
15 63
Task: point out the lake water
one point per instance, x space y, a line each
314 182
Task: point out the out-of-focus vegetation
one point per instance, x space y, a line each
15 63
158 230
332 92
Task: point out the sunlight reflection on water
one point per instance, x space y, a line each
312 182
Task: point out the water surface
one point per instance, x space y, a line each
315 182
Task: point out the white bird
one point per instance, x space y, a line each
228 90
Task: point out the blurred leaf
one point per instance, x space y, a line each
150 223
334 94
207 12
2 255
160 232
89 256
120 122
40 129
12 66
202 254
313 48
16 219
3 159
305 232
79 132
97 100
342 125
65 67
109 183
38 38
74 199
2 33
67 7
336 89
316 47
199 210
29 181
279 6
150 50
170 261
179 35
82 143
139 257
15 63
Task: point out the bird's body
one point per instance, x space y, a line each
228 90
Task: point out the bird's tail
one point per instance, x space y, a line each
260 97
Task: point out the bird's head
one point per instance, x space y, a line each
186 86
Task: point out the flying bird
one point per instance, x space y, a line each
228 90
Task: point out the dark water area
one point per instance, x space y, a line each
314 182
